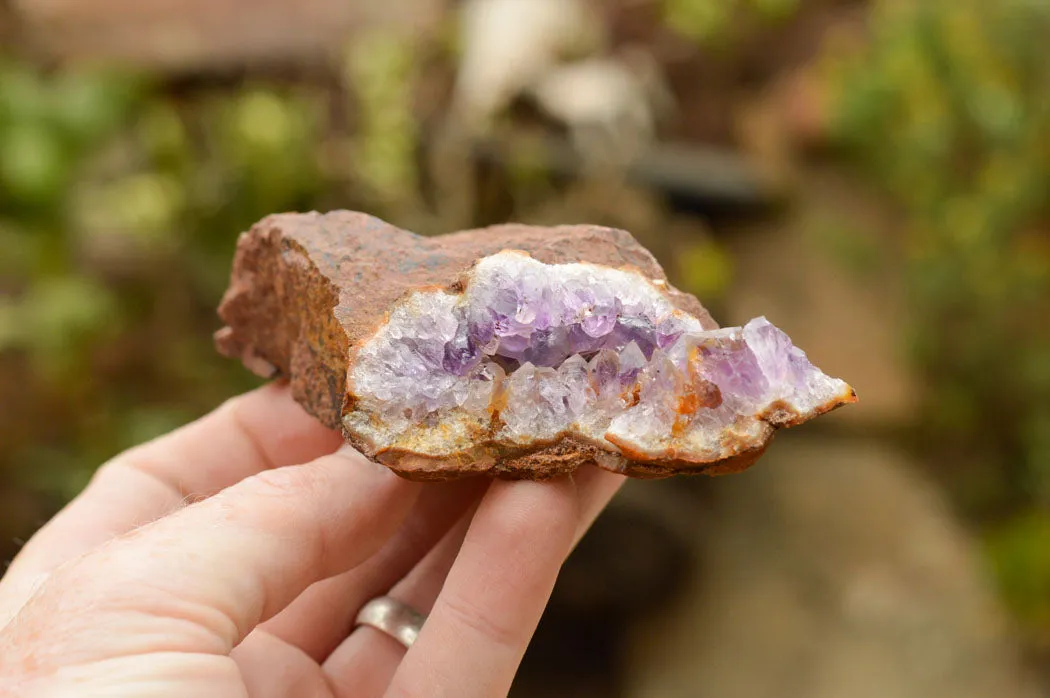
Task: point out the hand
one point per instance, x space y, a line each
206 563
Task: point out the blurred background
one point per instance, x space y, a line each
870 175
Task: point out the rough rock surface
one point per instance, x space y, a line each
512 350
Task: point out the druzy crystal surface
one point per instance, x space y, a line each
524 352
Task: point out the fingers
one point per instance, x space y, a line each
364 663
282 657
321 618
201 579
271 668
323 615
495 593
489 605
595 488
257 431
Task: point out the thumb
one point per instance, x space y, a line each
202 578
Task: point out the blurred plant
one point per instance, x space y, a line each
107 185
48 125
1017 550
712 21
948 106
705 268
381 71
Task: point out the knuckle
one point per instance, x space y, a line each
236 409
287 482
141 465
543 512
292 496
473 618
120 464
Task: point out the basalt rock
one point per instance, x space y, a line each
513 350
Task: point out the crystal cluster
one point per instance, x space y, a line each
532 352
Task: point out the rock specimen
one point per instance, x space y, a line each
513 350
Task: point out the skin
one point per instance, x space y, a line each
230 557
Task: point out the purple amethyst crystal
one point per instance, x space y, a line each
632 361
603 372
461 352
532 352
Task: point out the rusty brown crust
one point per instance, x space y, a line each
308 289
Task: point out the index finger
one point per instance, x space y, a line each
197 582
257 431
498 587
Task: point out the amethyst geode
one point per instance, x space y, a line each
513 350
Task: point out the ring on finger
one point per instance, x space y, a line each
388 615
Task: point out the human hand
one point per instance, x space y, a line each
206 563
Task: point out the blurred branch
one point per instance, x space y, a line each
695 178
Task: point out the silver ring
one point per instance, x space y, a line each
399 621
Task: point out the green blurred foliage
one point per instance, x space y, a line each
382 69
705 268
120 203
947 105
1017 551
714 21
